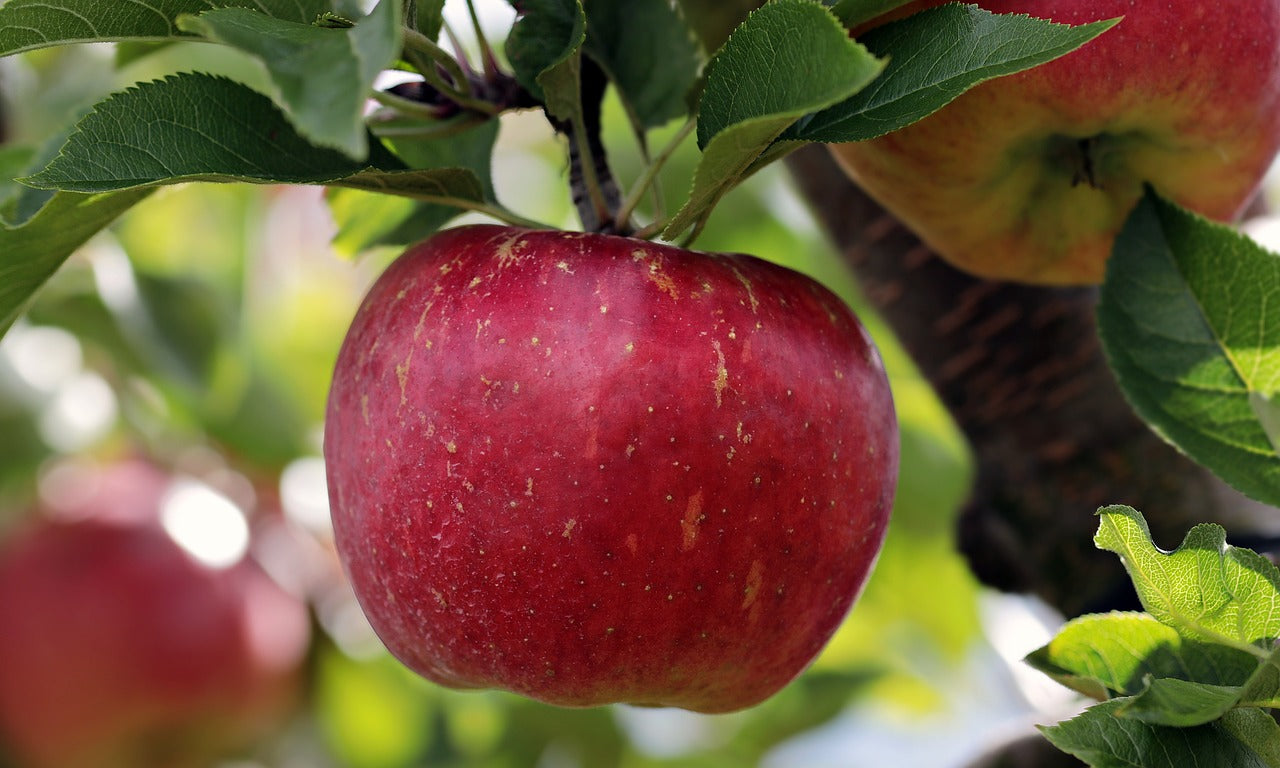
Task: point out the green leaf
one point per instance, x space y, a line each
14 161
923 74
724 162
1104 740
327 110
1205 589
196 127
1180 703
760 71
654 71
1184 703
366 220
29 24
31 253
427 17
1114 654
1258 731
758 84
544 48
1192 335
854 12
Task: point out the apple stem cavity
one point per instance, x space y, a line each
1085 170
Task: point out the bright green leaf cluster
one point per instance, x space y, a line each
1187 682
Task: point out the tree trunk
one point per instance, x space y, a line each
1021 370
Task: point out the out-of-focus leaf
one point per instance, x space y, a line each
427 16
31 253
654 71
544 47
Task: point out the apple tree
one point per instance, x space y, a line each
569 456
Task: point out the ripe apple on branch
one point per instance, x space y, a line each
1029 177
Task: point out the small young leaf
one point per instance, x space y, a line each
1205 589
653 71
761 71
758 84
31 253
1102 739
544 48
979 45
1113 654
321 76
1187 322
29 24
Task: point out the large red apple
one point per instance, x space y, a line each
118 649
592 469
1029 177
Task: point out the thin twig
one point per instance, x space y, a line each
651 174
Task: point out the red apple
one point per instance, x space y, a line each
121 650
592 469
1029 177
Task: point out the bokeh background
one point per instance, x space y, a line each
199 332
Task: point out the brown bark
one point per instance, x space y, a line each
1022 371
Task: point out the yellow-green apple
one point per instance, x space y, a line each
1028 177
593 469
119 649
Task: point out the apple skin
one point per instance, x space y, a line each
1182 94
120 650
592 469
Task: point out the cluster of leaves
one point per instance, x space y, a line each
755 99
1191 681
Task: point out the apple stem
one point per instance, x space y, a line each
595 192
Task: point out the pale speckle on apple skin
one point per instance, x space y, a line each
693 517
721 381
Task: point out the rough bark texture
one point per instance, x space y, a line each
1021 370
1028 752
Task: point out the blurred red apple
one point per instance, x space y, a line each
120 649
1029 177
593 469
